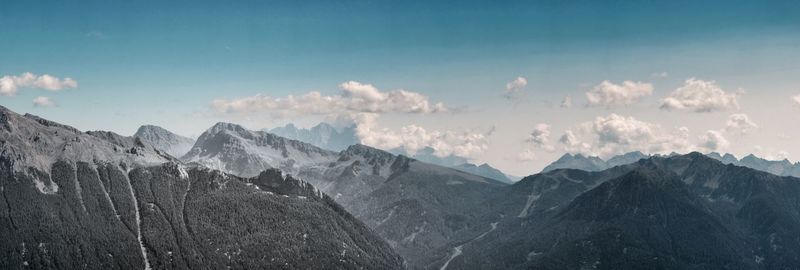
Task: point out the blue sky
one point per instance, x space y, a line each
164 63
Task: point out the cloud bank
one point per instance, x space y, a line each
355 97
615 134
413 138
10 84
608 94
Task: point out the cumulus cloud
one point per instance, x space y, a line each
540 137
514 88
413 138
355 97
540 134
566 102
740 123
796 100
43 102
615 134
571 143
700 96
10 84
608 94
713 140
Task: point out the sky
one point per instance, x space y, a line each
515 84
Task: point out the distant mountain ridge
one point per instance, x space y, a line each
322 135
593 164
777 167
328 137
484 170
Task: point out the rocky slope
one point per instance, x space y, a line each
99 200
160 138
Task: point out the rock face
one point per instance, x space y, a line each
679 212
99 200
322 135
160 138
232 148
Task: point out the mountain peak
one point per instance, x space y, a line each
161 138
221 126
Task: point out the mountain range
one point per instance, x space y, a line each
252 199
592 163
415 206
777 167
73 199
326 136
679 212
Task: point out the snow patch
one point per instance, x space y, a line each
531 200
182 171
494 227
410 238
456 253
454 182
49 188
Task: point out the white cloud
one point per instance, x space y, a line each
540 134
740 123
713 140
412 138
796 100
514 88
700 96
526 155
540 137
608 94
569 138
10 84
615 134
355 98
567 102
571 143
43 102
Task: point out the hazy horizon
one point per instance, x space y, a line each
515 85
